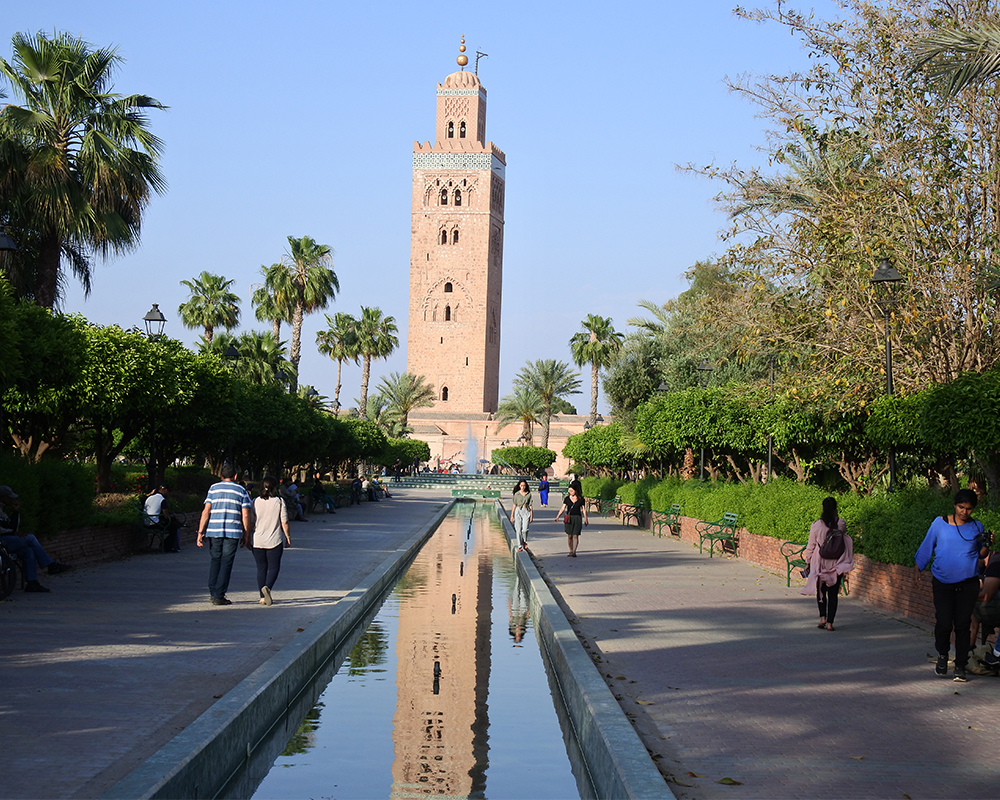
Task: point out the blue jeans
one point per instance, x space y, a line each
28 550
223 552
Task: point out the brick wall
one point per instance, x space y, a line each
889 587
100 543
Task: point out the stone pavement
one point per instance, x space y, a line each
122 656
725 674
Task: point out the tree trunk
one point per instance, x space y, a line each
336 392
546 421
295 348
365 372
593 394
47 270
276 329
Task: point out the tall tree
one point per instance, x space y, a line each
596 345
270 304
260 361
405 392
306 278
211 304
524 406
338 342
374 337
959 57
548 379
89 161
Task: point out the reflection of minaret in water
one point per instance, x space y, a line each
440 729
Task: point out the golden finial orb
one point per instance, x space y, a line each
462 58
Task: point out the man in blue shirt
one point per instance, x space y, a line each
225 522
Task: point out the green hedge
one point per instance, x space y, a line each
54 494
886 527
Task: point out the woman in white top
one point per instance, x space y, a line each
271 522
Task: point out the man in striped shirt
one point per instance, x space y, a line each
225 522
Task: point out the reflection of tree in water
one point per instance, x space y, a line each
369 651
412 582
303 739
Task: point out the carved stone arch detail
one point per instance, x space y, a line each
458 287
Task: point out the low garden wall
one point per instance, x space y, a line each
95 543
890 587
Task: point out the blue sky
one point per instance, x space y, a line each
299 118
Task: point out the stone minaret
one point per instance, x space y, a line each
456 252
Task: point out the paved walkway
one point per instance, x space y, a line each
727 676
121 656
719 664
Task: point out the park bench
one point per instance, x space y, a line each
611 507
632 512
792 551
593 504
11 573
671 520
155 531
724 531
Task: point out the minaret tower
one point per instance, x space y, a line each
456 251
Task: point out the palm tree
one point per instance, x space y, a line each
270 305
337 342
548 378
260 358
405 392
379 410
959 58
596 345
305 282
90 162
211 304
524 406
374 337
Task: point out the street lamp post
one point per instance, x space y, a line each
153 322
770 436
886 275
704 368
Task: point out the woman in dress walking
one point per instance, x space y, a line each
827 569
543 489
271 522
522 515
574 513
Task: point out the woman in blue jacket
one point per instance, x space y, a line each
956 544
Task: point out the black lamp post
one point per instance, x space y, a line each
153 322
886 275
770 436
704 368
6 243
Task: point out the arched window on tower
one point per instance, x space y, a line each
458 197
451 130
444 394
454 236
461 130
444 236
447 313
444 197
448 287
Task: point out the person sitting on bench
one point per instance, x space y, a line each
155 508
24 546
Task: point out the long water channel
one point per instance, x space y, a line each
446 693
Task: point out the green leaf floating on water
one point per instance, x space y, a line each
729 782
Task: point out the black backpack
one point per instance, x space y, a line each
833 547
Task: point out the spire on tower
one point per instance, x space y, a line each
462 59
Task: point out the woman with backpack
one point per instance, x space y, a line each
956 543
830 555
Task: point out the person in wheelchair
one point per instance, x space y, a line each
24 546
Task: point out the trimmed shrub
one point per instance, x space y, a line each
55 495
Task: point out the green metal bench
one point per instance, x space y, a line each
610 507
155 531
792 551
632 512
594 504
723 531
670 520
